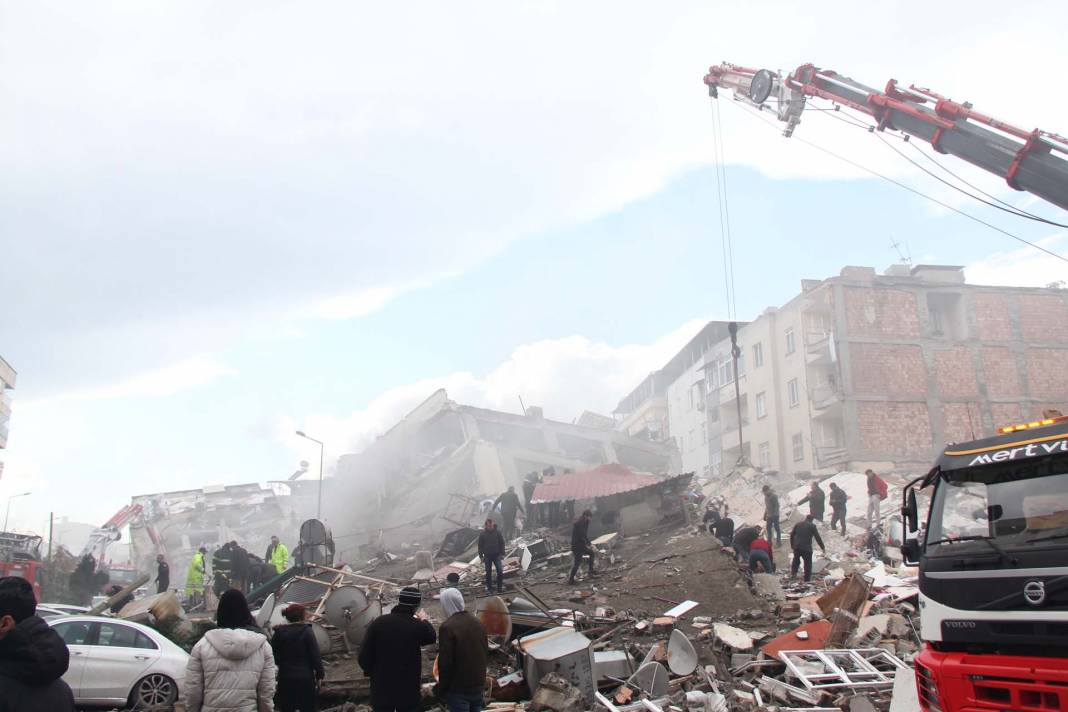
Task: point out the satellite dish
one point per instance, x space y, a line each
681 656
761 86
349 610
651 677
322 638
264 614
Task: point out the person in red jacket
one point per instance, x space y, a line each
760 553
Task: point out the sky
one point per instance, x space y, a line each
223 223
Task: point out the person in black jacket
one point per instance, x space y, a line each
801 542
771 514
743 538
711 517
33 657
300 666
510 506
581 545
390 654
163 574
239 566
838 507
816 499
491 551
462 652
724 531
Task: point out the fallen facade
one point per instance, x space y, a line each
399 487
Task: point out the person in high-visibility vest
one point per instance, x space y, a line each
194 580
277 555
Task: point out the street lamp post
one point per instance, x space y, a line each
319 507
8 514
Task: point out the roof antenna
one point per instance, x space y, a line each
905 255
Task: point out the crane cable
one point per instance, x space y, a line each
726 244
910 189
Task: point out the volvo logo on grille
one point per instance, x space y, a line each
1035 592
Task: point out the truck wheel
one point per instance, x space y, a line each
153 691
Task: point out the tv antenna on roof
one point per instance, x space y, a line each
905 255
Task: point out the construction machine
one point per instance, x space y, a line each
111 531
20 555
993 555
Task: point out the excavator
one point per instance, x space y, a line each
993 551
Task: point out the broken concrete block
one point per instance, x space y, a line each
862 703
663 623
905 698
769 585
789 610
733 638
739 659
557 694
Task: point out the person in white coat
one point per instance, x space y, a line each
231 669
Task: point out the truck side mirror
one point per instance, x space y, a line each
910 552
911 513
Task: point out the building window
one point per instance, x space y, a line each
793 393
758 355
761 404
764 454
791 341
799 447
726 371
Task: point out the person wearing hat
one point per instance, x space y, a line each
390 654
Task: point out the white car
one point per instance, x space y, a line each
64 608
115 662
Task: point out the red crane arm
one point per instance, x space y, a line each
1034 161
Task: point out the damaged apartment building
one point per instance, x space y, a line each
860 369
416 481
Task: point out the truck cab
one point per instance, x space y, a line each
993 572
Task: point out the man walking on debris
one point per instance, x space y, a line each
760 553
724 530
711 517
462 651
277 554
163 574
801 542
874 499
816 499
581 545
390 654
510 506
838 507
194 579
743 540
491 551
771 514
33 656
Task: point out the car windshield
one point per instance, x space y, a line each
1000 508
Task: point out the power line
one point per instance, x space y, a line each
908 188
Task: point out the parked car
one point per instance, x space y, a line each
47 612
64 608
114 662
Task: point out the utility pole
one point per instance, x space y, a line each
736 351
51 521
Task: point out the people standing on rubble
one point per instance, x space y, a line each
801 542
838 507
33 656
761 554
118 605
711 517
462 651
491 551
816 499
163 574
771 514
390 654
239 566
581 546
875 498
300 664
222 568
743 539
724 530
277 554
231 667
510 507
194 579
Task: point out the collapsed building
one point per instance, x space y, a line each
399 488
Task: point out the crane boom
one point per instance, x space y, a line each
1034 161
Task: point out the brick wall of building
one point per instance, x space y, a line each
1001 373
1047 373
992 316
1043 318
1006 414
955 373
885 369
887 313
894 429
961 422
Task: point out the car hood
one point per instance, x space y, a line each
33 653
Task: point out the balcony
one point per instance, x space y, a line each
830 455
819 348
826 399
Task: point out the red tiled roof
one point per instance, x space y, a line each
601 481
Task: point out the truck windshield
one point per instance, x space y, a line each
1017 506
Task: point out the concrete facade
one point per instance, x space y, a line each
7 384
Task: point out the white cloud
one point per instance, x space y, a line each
564 376
1023 267
166 381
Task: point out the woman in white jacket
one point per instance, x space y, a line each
231 669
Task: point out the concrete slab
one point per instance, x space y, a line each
905 698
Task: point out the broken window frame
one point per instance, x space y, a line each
863 672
